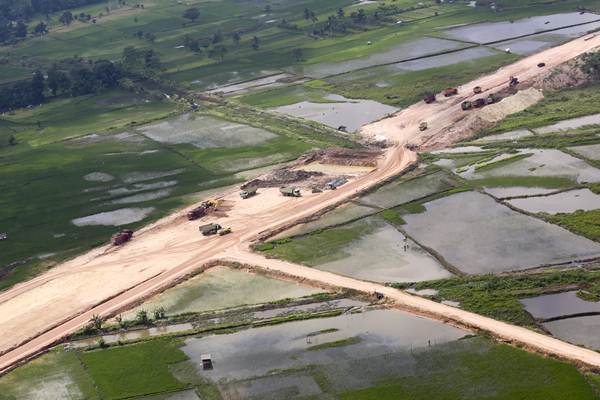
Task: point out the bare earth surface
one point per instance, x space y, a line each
43 310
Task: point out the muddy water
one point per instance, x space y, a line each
558 305
385 256
513 191
257 351
350 113
205 132
119 217
133 335
477 235
581 330
311 307
494 31
565 202
570 124
591 151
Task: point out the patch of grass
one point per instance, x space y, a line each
392 216
498 296
338 343
134 370
323 331
551 182
500 373
412 208
585 223
501 163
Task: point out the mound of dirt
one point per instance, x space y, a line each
563 76
281 177
342 156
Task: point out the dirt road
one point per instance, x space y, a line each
40 312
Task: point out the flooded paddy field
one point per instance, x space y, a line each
578 330
565 202
118 217
206 132
499 238
221 287
440 60
349 113
496 31
403 191
558 305
569 124
512 135
514 191
591 151
260 83
541 162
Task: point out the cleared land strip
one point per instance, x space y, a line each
43 311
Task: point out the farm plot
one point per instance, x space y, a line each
591 151
477 235
569 124
578 330
565 202
219 288
558 305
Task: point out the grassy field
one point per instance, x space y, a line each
584 223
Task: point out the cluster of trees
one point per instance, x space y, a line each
76 77
15 10
591 64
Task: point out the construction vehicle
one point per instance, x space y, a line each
430 98
423 126
209 229
514 81
478 103
477 89
225 231
337 182
378 295
201 210
247 193
450 92
492 98
466 105
290 191
541 65
122 237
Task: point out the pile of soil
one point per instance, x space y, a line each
281 177
342 156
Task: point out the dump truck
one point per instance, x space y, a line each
225 231
122 237
478 103
201 210
423 126
477 89
430 98
541 65
492 98
247 193
209 229
514 81
337 182
450 92
290 191
466 105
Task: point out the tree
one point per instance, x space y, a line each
66 18
307 13
217 37
218 52
141 317
192 14
591 64
106 73
236 37
340 13
96 322
21 29
151 37
298 54
159 313
37 87
40 29
255 43
58 81
192 44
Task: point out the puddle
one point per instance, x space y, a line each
513 191
495 31
138 198
312 307
547 162
423 292
132 335
565 202
350 113
591 151
580 330
98 177
134 177
222 287
417 48
499 239
568 124
384 255
255 352
333 169
119 217
441 60
512 135
400 192
206 132
558 305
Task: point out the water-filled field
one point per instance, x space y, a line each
568 124
578 330
514 191
477 235
118 217
558 305
591 151
565 202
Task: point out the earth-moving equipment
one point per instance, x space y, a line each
122 237
423 126
225 231
290 191
450 92
430 98
247 193
209 229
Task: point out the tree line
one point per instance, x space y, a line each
77 77
16 10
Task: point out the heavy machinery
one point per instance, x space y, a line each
478 103
122 237
514 81
492 98
450 92
337 182
209 229
201 210
423 126
3 236
290 191
247 193
225 231
477 89
430 98
466 105
541 65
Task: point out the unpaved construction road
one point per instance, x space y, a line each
44 310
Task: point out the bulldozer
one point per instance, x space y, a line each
514 81
430 98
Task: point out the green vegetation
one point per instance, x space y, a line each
338 343
501 163
500 373
585 223
550 182
134 370
498 296
392 216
